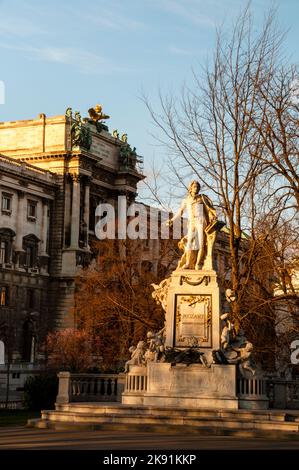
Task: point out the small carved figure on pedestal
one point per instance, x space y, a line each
155 350
137 355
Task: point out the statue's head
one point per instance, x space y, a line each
194 187
78 117
230 295
98 108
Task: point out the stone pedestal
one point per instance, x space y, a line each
191 299
183 386
193 310
64 387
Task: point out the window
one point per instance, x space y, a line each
3 251
6 203
6 237
29 256
4 296
29 340
31 210
30 247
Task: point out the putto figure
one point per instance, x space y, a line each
201 229
96 113
137 355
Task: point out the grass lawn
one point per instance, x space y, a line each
16 417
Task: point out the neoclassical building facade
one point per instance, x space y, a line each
54 171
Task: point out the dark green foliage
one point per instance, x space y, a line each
40 392
16 417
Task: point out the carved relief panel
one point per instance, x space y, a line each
193 321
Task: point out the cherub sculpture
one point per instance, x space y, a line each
137 355
96 113
155 348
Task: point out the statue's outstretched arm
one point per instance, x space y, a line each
178 214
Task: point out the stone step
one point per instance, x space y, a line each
116 408
141 420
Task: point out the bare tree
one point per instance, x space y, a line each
279 132
213 129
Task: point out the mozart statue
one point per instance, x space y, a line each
202 228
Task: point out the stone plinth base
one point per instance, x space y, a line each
180 385
254 403
193 386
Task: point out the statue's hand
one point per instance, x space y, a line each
169 223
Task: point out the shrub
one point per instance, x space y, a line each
40 392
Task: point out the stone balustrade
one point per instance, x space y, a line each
11 405
21 167
252 393
253 387
136 379
283 394
89 387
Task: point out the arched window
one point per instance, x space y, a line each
6 238
29 340
30 247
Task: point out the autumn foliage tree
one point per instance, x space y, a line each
113 299
72 350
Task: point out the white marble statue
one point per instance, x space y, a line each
155 346
137 355
227 332
245 360
201 229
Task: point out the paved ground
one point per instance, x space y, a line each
23 438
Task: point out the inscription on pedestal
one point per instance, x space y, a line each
193 317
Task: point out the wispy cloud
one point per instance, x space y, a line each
113 17
179 51
17 26
190 10
113 20
87 62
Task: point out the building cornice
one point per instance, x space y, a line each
24 171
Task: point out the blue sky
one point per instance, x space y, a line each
75 53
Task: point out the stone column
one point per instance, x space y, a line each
67 210
75 219
86 208
44 235
21 213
